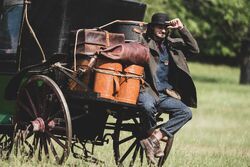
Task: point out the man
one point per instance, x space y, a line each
169 87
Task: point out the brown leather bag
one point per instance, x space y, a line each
133 52
107 78
88 41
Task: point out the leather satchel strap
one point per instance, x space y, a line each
107 35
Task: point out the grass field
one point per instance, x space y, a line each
217 136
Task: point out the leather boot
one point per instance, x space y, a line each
158 151
149 148
152 147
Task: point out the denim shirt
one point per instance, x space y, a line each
162 71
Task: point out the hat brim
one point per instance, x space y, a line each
157 23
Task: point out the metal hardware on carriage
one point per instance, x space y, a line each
38 125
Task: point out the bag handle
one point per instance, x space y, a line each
116 84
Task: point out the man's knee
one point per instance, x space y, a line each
188 113
149 108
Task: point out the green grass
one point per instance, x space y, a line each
217 136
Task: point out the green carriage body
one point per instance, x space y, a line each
7 107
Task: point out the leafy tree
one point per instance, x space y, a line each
220 26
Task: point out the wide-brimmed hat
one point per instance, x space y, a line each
159 19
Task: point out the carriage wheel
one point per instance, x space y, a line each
5 145
43 123
127 148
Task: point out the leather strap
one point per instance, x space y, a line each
107 35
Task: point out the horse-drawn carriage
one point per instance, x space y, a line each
52 96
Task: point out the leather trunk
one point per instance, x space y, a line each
89 41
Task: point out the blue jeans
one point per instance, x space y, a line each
179 113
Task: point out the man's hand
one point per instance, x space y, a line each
175 24
173 94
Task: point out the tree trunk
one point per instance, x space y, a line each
245 62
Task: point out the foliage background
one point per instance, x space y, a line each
218 25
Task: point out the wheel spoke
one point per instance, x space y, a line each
59 129
35 141
128 151
31 102
53 150
57 114
45 109
48 104
56 140
135 154
46 150
135 121
141 155
2 142
29 135
30 150
23 106
38 98
126 139
2 138
5 145
21 145
40 150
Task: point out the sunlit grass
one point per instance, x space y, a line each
217 136
218 133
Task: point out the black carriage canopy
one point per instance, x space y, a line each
53 20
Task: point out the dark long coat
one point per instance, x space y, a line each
179 75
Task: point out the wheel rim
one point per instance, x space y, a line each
43 120
127 148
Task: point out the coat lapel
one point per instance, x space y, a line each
154 52
152 61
